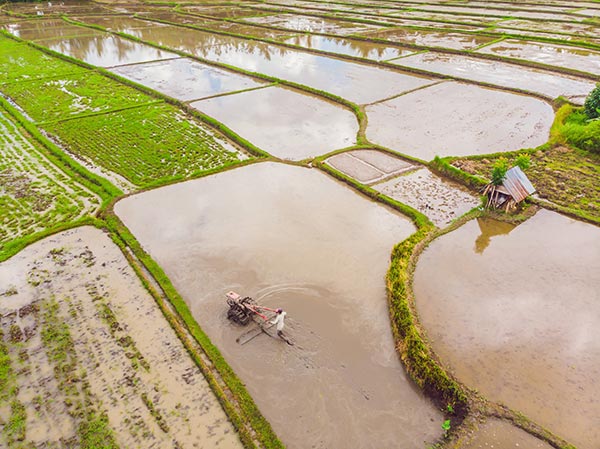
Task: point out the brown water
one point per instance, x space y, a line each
502 435
47 29
360 49
433 38
284 122
186 79
356 82
292 237
502 74
308 24
557 55
515 312
459 119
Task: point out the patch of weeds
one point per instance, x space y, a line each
95 432
15 334
35 277
160 420
16 427
11 291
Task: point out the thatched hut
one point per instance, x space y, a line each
514 189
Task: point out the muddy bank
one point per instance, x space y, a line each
502 435
453 119
93 358
514 312
293 238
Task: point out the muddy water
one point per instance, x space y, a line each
186 79
516 313
308 24
105 50
577 29
502 74
558 55
284 122
433 38
46 29
129 25
355 82
360 49
293 238
459 119
502 435
499 13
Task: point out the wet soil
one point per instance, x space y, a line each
440 200
514 312
186 79
502 435
459 119
368 166
433 38
557 55
292 237
546 83
47 29
123 24
124 355
283 122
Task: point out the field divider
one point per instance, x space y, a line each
97 113
388 65
256 75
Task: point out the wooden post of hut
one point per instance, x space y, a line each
514 189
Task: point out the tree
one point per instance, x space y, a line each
592 103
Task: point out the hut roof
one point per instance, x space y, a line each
517 184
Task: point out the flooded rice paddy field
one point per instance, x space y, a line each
293 237
93 351
515 315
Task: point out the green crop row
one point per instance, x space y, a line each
68 95
35 194
146 144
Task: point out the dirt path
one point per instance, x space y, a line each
91 360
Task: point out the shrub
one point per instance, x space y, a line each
581 133
523 161
499 171
592 103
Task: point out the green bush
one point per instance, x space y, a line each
592 103
581 133
523 161
499 171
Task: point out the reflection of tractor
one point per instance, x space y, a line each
242 310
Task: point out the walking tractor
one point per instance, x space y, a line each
242 310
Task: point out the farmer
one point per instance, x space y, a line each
279 317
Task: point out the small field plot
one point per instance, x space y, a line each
20 62
66 96
106 50
308 24
503 435
557 55
89 360
283 122
46 29
368 166
34 194
186 79
56 8
360 49
248 30
224 12
459 119
549 84
515 313
292 237
433 38
577 30
146 144
124 24
441 201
